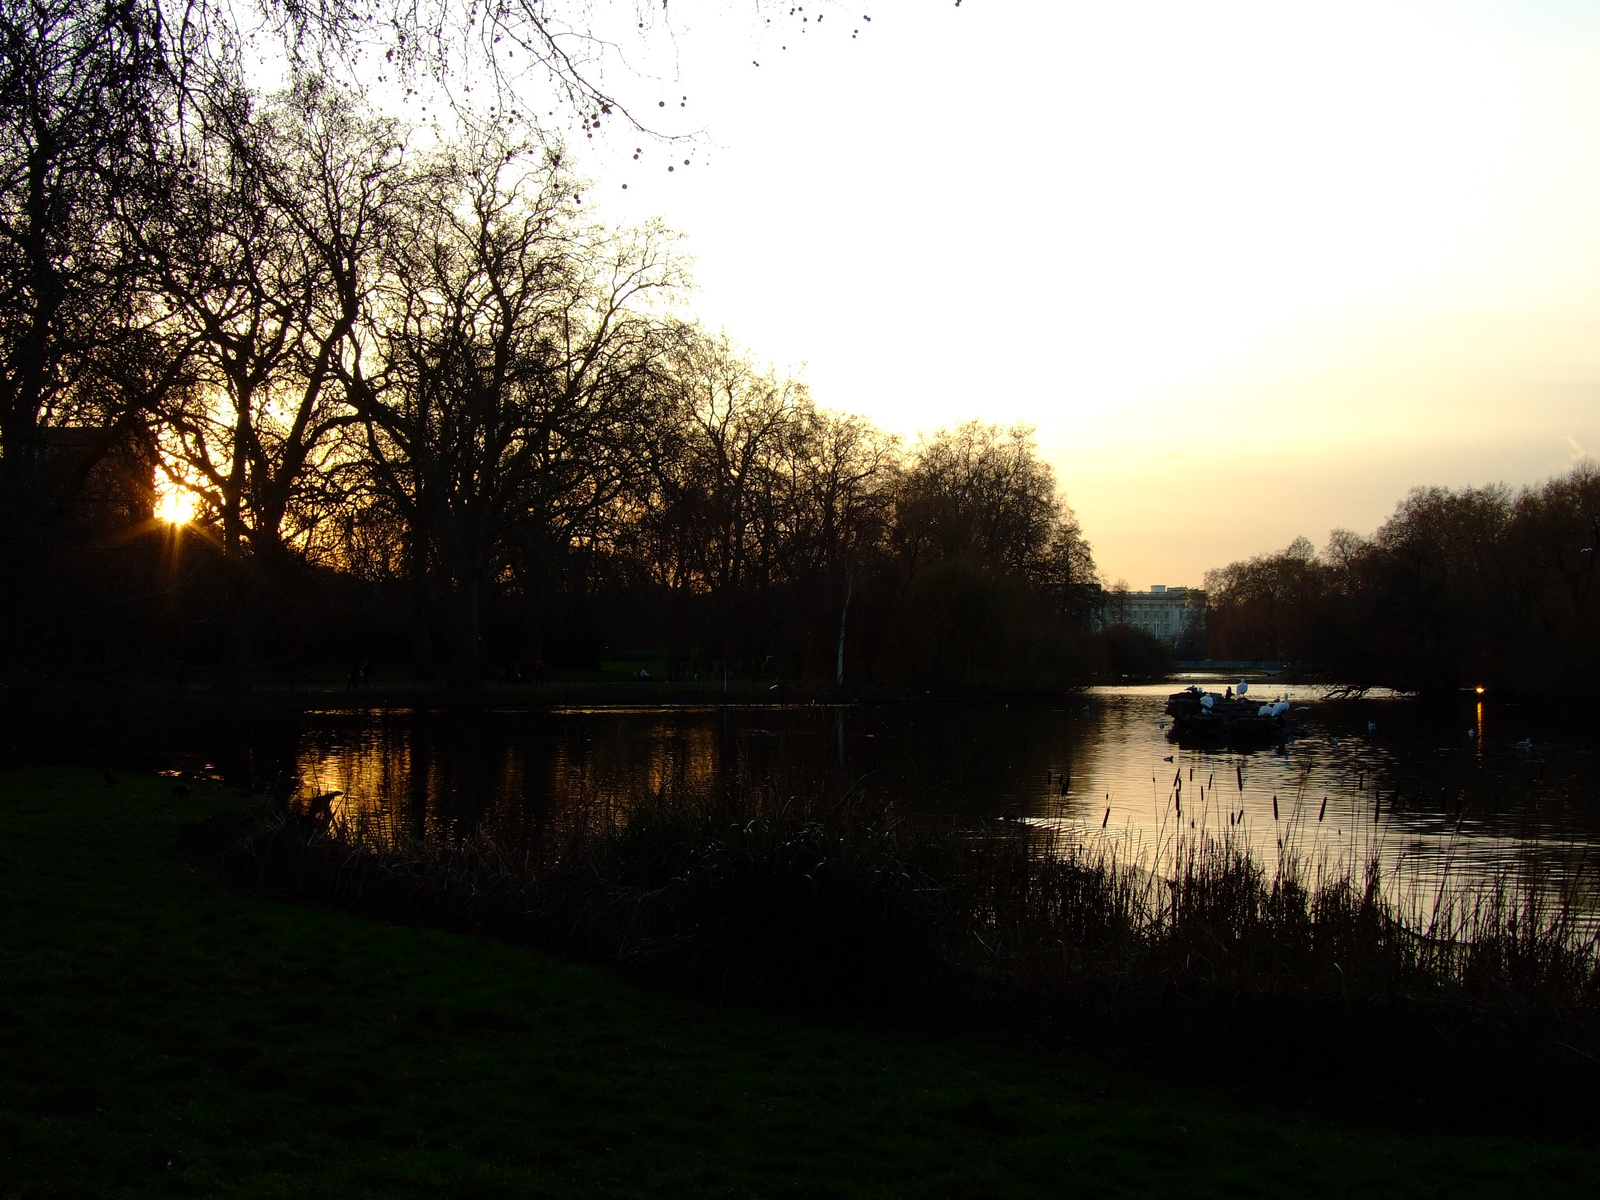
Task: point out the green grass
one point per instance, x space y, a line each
161 1033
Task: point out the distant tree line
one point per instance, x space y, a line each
429 409
1477 587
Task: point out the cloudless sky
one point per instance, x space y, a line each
1251 269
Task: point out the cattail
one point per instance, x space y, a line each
1239 771
1177 779
1274 808
1323 811
1191 774
1377 806
1213 781
1107 817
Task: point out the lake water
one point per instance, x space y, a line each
1431 788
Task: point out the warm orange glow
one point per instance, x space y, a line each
1479 689
176 506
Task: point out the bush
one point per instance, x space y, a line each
958 626
1123 652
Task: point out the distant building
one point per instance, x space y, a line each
1164 612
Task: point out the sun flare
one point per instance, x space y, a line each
176 507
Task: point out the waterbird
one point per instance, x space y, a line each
1372 727
1525 744
1472 733
1168 758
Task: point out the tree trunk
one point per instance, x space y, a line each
422 665
469 655
844 613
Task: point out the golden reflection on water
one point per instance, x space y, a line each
395 780
1428 803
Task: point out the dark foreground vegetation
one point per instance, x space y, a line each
1477 587
166 1034
1488 1004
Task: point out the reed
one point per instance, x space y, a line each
823 902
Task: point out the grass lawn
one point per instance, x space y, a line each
164 1034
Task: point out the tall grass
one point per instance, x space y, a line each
824 902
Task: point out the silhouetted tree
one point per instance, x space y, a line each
280 215
1269 607
978 492
512 373
1477 586
995 571
82 87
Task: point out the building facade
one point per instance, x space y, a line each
1163 612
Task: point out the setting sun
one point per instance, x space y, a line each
176 507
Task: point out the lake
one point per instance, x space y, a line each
1434 789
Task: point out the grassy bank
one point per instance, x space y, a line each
162 1033
1308 973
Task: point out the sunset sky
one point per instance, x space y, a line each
1252 269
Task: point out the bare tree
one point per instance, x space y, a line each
81 88
280 214
979 492
842 471
507 371
719 510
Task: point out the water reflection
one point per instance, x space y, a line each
1429 788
